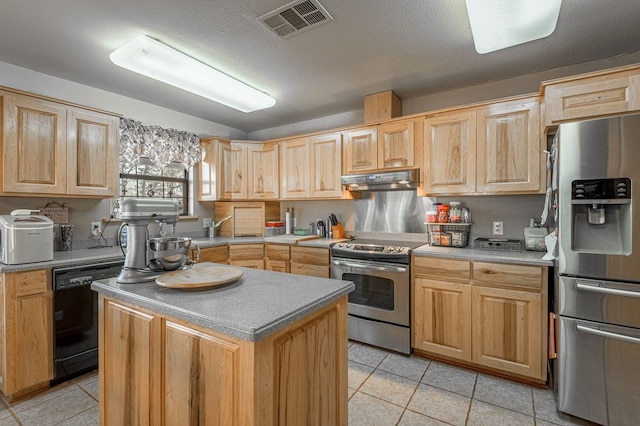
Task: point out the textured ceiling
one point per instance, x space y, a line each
413 47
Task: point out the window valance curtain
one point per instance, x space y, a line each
161 146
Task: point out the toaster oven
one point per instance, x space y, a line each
25 238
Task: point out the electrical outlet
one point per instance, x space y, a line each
498 228
114 207
96 229
206 222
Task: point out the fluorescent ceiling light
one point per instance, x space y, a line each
151 58
497 24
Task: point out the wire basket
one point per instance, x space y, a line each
449 234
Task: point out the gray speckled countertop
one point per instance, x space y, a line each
107 254
252 308
70 258
533 258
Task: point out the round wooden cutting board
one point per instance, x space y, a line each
205 276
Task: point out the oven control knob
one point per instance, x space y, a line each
390 250
400 249
349 245
340 245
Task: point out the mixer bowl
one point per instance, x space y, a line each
169 243
168 253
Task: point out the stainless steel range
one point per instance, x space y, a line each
379 307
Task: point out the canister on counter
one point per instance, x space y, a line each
443 213
432 216
455 214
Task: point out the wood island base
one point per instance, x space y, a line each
157 370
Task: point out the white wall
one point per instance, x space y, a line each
149 114
519 85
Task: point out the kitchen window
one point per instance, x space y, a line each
145 179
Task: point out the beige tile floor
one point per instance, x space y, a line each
384 389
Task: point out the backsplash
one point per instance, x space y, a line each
403 212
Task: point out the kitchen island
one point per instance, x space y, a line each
267 349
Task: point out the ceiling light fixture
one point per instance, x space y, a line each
497 24
153 59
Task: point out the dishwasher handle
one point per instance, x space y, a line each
608 334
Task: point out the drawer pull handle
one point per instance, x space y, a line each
608 334
606 290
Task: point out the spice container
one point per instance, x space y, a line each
455 214
466 215
432 216
443 213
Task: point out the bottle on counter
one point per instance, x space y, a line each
466 215
287 222
455 213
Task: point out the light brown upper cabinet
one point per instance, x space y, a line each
510 150
55 149
311 167
263 167
615 91
207 170
234 170
450 153
491 149
387 146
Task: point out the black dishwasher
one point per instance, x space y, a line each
75 317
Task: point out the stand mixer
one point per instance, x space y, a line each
147 258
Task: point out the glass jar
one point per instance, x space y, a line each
443 213
455 213
432 216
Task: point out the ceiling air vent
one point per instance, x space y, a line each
295 17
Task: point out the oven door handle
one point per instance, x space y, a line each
608 334
606 290
370 266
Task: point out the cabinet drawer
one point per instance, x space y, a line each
445 269
310 256
504 275
246 251
311 270
248 263
30 282
277 251
277 265
211 254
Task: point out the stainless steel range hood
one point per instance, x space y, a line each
383 181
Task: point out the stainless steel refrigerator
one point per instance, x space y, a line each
597 293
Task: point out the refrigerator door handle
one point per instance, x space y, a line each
606 290
608 334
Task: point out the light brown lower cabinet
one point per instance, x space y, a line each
211 254
247 255
26 332
509 317
489 315
313 261
158 370
277 257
